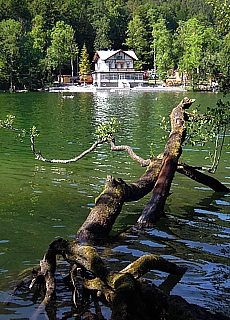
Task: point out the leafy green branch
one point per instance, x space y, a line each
106 131
210 127
9 122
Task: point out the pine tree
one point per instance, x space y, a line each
84 64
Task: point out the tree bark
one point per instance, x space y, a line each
202 178
154 210
108 205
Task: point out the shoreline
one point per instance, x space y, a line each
90 88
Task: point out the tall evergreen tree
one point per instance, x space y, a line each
118 16
84 64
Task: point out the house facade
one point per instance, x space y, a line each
115 68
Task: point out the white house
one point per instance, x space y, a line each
115 68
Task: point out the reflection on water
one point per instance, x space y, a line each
40 201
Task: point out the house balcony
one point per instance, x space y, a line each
122 70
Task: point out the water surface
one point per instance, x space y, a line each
40 202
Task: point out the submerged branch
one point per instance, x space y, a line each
202 178
152 262
128 296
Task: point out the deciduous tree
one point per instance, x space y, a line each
136 39
162 48
63 48
10 43
188 44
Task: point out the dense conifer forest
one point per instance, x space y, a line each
41 39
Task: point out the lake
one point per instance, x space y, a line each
40 202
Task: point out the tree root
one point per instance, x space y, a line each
127 295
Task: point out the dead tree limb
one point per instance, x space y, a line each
155 207
202 178
40 157
133 155
158 177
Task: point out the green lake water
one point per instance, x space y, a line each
40 202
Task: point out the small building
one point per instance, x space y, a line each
64 78
115 68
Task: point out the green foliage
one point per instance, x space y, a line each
136 38
224 55
222 13
39 39
162 48
63 47
166 127
106 131
210 126
102 28
10 43
34 132
188 46
151 151
8 122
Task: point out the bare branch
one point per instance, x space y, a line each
133 155
40 157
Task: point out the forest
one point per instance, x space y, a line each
42 39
